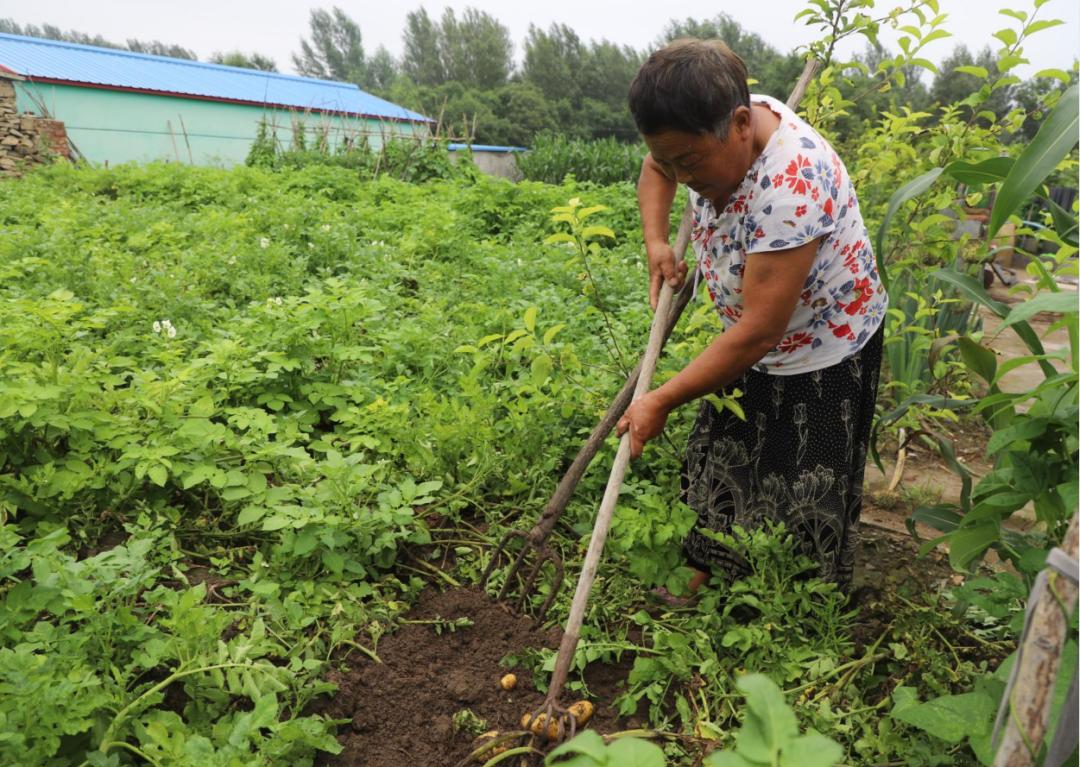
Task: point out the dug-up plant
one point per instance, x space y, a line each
769 737
778 619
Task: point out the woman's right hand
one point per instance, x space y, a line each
663 268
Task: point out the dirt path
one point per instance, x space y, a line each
1008 345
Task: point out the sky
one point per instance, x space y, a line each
274 27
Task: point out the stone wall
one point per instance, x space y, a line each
26 139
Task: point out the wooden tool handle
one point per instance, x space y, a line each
611 493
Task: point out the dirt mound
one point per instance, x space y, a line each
402 710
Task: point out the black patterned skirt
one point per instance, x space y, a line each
798 458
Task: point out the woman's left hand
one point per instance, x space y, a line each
645 419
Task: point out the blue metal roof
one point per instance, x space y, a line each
485 148
34 57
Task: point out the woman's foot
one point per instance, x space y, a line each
698 578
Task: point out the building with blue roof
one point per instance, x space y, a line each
120 106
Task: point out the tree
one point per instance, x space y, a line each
953 87
606 74
553 61
1034 95
476 49
775 72
50 32
421 61
526 113
864 89
245 61
382 70
158 48
335 51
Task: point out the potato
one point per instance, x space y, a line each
537 726
582 712
508 682
483 741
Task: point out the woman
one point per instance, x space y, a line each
784 253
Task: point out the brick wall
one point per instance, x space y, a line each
27 140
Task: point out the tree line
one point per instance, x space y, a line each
460 69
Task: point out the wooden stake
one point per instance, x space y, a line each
1040 659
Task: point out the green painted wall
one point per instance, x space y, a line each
116 126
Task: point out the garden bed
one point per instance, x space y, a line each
447 657
402 710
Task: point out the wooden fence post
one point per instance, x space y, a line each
1037 672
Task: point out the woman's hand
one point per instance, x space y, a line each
645 419
663 267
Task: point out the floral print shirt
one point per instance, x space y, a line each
797 190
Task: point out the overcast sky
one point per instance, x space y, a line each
274 27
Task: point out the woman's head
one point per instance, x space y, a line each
691 86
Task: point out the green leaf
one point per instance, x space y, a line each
1024 429
559 237
584 213
942 518
951 718
937 34
249 514
1065 222
1059 74
769 723
1061 303
541 369
530 319
980 72
985 172
1005 63
811 750
158 474
549 336
1007 36
276 522
634 752
911 189
1039 26
1055 139
978 358
590 232
968 543
587 743
972 289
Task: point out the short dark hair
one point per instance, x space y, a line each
689 85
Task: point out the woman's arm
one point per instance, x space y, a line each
656 192
772 284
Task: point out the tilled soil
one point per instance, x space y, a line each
402 709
